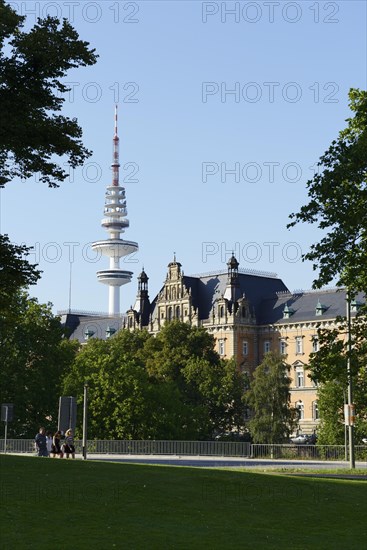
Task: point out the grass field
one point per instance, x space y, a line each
49 504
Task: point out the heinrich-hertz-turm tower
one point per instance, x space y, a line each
115 223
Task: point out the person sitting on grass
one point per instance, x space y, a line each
69 448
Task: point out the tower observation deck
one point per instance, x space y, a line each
115 223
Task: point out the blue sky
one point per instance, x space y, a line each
202 92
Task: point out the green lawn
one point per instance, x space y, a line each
50 503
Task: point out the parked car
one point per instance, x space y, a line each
300 439
304 439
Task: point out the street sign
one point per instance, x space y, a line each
67 413
7 412
349 415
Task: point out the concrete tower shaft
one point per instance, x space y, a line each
115 223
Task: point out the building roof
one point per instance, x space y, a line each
303 306
266 294
96 325
207 288
254 287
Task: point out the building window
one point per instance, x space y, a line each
244 311
178 312
315 344
283 347
320 308
221 311
245 347
299 345
287 312
301 410
315 410
221 347
170 313
355 306
266 346
88 333
110 331
300 377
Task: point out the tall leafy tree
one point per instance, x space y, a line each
211 389
176 344
172 386
269 397
34 137
218 388
33 64
338 204
34 356
328 369
124 401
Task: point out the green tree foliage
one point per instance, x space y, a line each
33 357
328 368
218 388
123 403
338 204
15 273
172 386
331 398
269 398
33 137
32 67
210 388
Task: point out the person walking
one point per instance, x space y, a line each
56 445
69 448
41 443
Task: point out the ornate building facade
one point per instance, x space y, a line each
248 313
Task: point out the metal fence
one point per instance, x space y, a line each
144 447
200 448
306 452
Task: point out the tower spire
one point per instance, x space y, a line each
115 222
115 155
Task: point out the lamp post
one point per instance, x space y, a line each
85 421
349 418
345 430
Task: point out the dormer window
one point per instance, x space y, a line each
88 333
320 308
110 331
287 312
355 306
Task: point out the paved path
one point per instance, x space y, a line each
215 462
218 461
